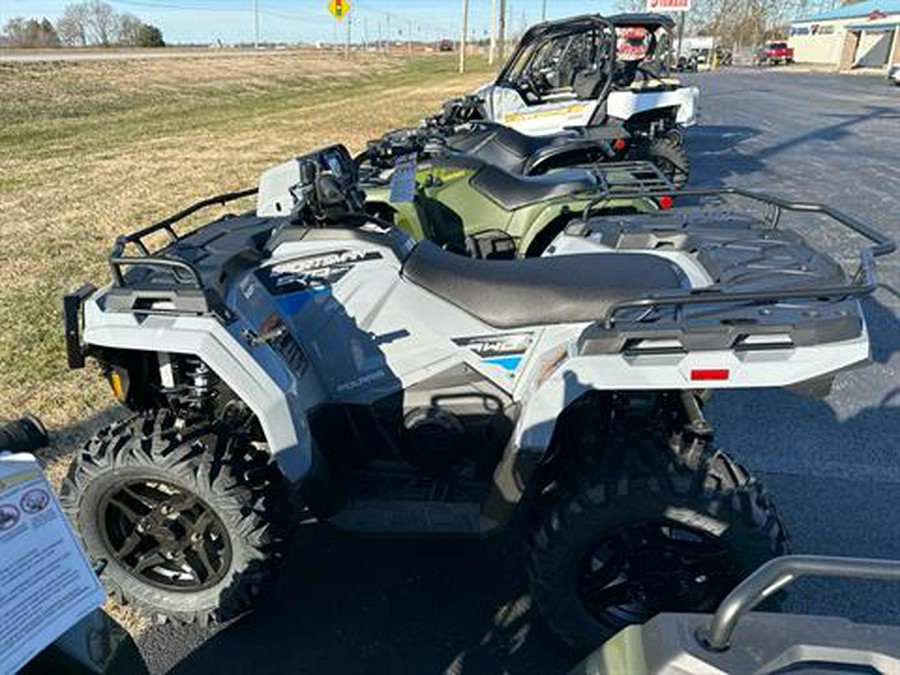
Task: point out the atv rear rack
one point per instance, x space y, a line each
618 179
863 281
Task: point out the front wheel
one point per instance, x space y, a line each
620 538
186 521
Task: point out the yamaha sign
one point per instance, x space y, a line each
668 5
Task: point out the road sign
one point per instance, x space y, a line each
668 5
340 8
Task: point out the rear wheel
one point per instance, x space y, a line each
643 530
185 520
669 154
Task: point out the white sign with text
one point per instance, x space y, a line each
46 583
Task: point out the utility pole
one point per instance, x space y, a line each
493 49
365 34
349 36
389 38
501 29
409 36
463 36
544 11
256 24
680 34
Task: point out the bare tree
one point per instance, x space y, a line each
22 32
128 30
102 22
73 25
745 21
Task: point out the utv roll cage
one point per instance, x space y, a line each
554 29
651 22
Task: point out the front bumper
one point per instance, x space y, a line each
73 321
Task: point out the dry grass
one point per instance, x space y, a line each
90 149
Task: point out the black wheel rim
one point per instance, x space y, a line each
164 535
651 567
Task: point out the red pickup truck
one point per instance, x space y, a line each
773 53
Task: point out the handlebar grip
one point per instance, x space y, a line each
24 435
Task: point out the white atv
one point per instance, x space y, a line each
596 74
394 388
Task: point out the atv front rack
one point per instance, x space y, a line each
185 273
862 282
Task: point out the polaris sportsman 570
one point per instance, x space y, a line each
592 72
392 387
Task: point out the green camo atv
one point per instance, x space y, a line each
468 205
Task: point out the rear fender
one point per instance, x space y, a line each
627 104
576 374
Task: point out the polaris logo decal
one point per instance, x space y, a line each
505 350
365 380
313 273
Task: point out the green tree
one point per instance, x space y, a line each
150 36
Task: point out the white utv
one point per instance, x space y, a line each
601 77
324 359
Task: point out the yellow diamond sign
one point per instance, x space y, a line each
340 8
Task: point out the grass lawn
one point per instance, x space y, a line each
89 150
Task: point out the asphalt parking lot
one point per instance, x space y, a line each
386 606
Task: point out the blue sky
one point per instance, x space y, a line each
308 20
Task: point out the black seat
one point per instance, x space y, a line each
503 146
521 154
512 191
539 291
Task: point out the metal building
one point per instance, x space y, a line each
864 35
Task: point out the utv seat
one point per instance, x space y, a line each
513 192
521 154
505 147
539 291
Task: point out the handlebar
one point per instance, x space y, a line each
775 575
23 435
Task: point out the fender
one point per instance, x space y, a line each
625 104
268 388
578 374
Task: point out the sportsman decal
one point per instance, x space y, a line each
312 273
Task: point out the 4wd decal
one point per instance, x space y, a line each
312 273
504 350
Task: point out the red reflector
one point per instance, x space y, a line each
710 374
665 202
619 144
